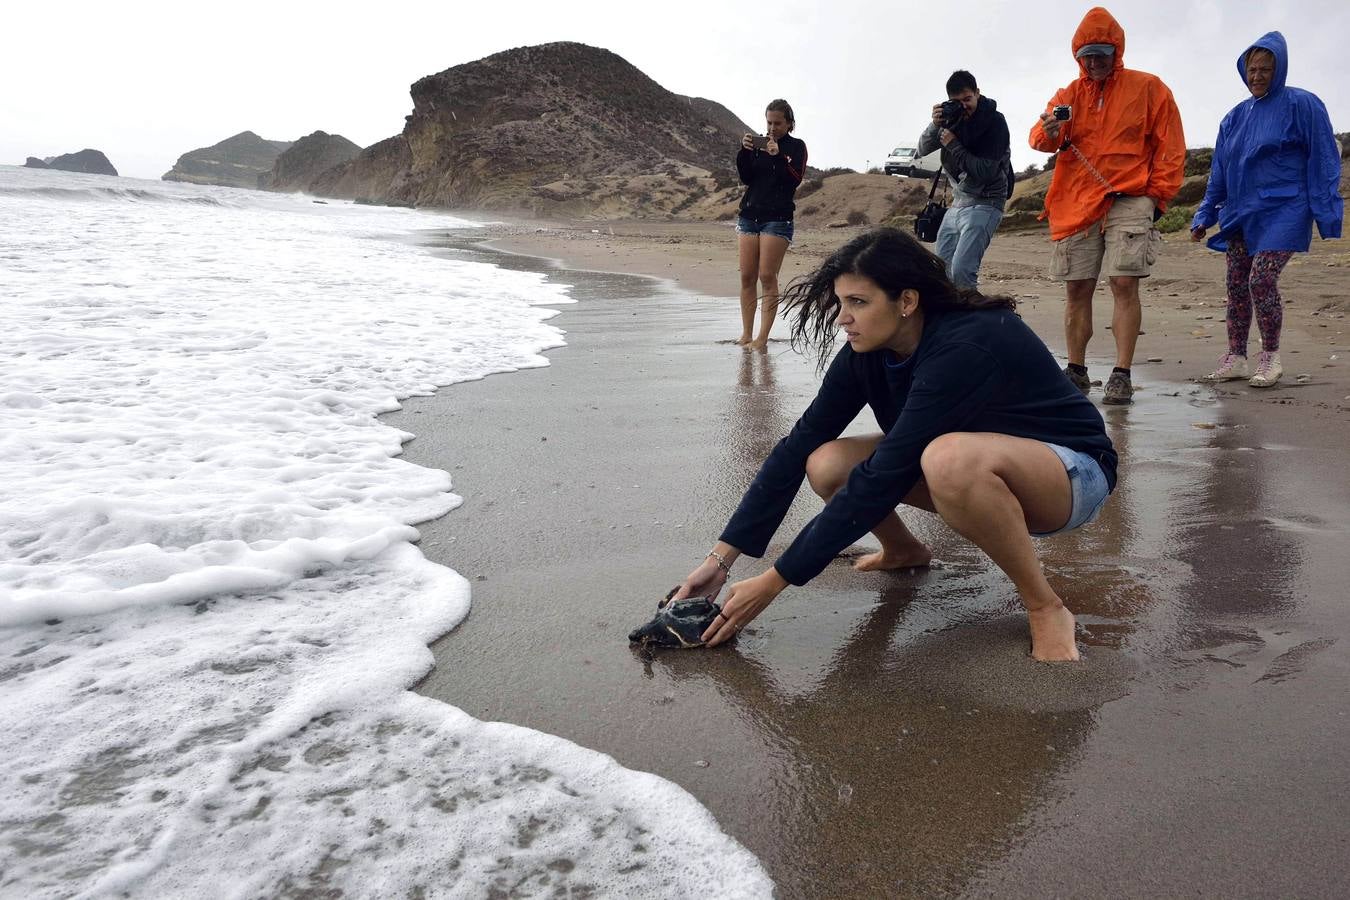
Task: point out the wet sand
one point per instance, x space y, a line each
888 735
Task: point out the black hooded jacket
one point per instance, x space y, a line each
979 161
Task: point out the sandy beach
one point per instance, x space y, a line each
888 734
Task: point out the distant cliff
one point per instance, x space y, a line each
558 128
91 162
244 160
309 157
376 174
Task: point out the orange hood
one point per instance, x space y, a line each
1099 27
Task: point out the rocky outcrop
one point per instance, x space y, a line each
244 160
308 158
558 128
375 175
90 162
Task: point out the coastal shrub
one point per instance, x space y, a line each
838 170
1030 171
857 217
1177 218
809 187
1199 161
725 178
810 210
876 170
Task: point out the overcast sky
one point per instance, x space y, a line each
147 81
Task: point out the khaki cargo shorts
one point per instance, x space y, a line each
1124 243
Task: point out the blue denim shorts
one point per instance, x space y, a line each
777 229
1088 483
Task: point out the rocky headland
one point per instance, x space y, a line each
560 129
244 161
308 158
90 162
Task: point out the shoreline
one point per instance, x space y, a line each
883 734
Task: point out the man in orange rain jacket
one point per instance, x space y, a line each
1121 156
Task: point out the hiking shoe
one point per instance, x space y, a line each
1268 370
1118 390
1231 368
1082 382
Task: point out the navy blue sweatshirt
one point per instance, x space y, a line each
974 370
771 179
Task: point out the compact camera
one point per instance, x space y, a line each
1062 113
951 112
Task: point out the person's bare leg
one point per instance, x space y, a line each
993 489
748 247
1126 317
1078 318
828 469
771 251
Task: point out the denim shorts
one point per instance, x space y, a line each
777 229
1088 483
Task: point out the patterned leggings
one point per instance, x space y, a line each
1253 280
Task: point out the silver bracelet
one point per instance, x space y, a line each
721 561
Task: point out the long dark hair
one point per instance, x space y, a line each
896 262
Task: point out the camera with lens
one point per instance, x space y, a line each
951 112
1062 113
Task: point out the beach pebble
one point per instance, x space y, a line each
1155 359
1208 426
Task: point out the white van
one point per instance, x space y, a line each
907 161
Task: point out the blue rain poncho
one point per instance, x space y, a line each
1277 167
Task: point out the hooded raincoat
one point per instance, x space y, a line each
1276 169
1127 127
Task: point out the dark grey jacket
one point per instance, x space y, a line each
978 162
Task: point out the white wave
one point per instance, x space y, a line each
210 610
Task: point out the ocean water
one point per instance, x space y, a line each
211 607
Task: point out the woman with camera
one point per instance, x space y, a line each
1276 171
771 167
978 426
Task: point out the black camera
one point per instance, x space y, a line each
951 112
1062 113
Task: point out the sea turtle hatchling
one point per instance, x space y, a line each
678 623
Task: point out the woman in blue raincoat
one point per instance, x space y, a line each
1276 171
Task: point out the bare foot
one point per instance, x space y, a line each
1052 634
743 341
759 344
913 557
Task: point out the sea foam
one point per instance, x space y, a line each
210 608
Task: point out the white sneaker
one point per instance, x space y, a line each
1268 370
1231 368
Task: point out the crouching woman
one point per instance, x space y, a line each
978 425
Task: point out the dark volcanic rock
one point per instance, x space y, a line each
373 176
235 162
558 127
90 162
308 158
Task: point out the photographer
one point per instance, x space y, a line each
976 157
1120 158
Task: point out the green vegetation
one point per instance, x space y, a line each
1177 218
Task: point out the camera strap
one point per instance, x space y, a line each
1110 188
933 190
